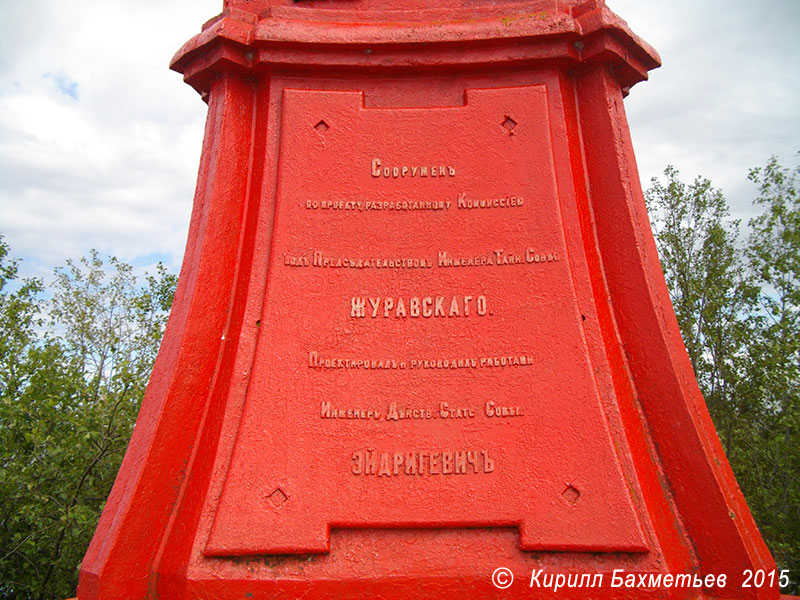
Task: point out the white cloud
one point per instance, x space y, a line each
99 141
725 98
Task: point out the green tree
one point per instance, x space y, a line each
709 289
24 360
71 388
738 307
771 473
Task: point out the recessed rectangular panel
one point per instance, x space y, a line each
421 359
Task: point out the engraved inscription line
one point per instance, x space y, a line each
317 361
444 259
379 170
397 413
421 462
416 306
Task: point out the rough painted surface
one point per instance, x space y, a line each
420 331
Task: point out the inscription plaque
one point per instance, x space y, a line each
400 390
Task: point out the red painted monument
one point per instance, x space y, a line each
421 345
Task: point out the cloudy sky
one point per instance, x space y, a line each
99 141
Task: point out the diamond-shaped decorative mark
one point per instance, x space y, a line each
571 494
277 497
509 124
322 126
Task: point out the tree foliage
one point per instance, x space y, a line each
72 374
709 287
771 474
738 306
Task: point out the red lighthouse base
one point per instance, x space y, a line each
421 346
